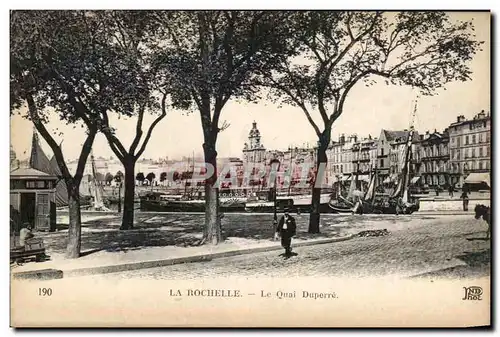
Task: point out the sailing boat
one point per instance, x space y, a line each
97 190
398 201
347 204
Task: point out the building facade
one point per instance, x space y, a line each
295 163
433 156
470 146
254 151
364 155
335 167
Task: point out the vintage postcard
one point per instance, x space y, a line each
232 168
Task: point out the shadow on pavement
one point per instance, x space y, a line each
181 230
476 258
88 252
478 265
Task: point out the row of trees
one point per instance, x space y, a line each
140 177
84 66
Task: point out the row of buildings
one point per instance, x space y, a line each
439 158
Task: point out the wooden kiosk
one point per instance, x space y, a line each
32 197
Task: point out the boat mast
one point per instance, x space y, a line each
185 180
192 175
291 172
98 203
409 155
401 188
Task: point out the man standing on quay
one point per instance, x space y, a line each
286 229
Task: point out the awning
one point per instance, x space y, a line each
361 177
391 178
478 178
414 180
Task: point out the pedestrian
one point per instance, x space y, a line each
287 229
25 234
437 190
451 189
465 199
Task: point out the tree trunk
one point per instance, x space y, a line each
120 197
129 195
75 222
314 218
212 234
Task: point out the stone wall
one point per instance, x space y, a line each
446 204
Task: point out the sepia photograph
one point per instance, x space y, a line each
250 168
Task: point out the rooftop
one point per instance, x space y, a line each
29 172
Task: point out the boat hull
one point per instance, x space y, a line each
269 208
186 207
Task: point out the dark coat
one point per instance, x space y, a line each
290 224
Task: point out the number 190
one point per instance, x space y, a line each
44 291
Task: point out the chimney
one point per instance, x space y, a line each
421 137
481 114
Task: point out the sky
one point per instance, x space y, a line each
367 110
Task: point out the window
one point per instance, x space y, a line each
480 165
30 184
472 165
473 139
381 163
487 137
382 150
43 204
488 151
481 137
480 152
473 153
458 141
466 140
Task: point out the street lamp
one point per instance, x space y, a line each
275 190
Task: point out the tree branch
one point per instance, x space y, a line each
311 121
348 24
340 106
115 144
138 129
35 118
152 126
84 154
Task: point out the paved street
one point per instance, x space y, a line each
449 246
101 233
